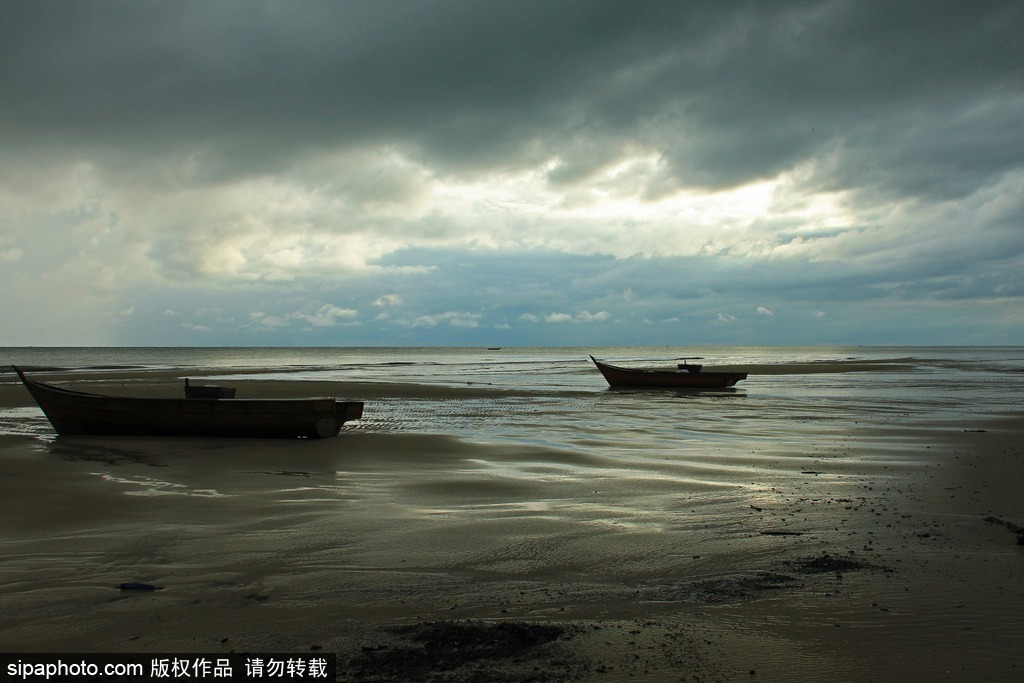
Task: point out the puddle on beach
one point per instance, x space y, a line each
150 486
24 421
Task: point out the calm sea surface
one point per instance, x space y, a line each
551 394
555 397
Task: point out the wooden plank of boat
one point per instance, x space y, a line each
686 377
80 413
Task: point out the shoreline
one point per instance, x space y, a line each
369 580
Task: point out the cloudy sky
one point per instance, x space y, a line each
504 173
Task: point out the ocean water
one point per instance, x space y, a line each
555 396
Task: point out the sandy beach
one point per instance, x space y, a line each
887 555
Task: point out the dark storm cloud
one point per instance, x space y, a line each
923 96
407 167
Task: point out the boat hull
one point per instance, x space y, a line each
74 413
619 377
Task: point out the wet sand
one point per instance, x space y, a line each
390 548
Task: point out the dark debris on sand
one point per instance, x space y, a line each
468 652
1015 528
751 585
476 651
825 563
727 589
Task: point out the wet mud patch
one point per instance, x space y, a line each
468 652
1015 528
751 585
831 564
286 473
725 589
108 455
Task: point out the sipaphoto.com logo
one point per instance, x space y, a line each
138 667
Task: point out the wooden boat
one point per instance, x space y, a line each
207 391
687 376
80 413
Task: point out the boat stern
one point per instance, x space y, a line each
349 410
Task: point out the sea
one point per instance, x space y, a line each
554 396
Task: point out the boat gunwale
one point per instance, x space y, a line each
159 399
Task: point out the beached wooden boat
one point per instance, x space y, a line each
686 376
207 391
80 413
